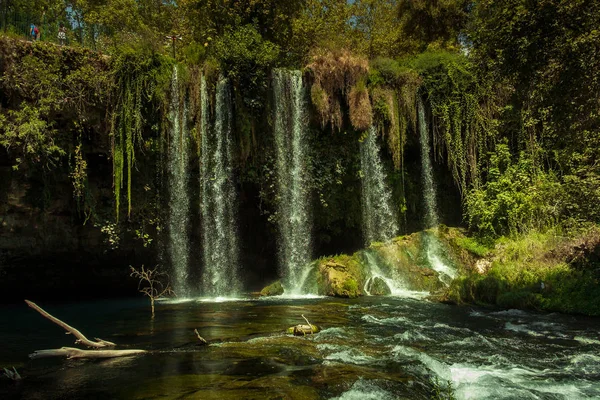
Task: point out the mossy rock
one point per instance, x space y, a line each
303 330
378 287
274 289
340 277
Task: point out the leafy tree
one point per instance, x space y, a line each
438 22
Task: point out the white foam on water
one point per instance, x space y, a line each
510 313
587 363
220 299
291 297
509 382
332 333
385 321
330 347
412 336
585 340
175 300
410 294
365 390
470 341
477 314
451 328
522 329
438 367
351 356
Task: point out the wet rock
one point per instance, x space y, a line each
303 330
378 287
340 277
274 289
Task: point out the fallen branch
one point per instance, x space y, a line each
81 339
71 352
309 324
12 374
200 338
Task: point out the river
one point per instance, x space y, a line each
369 348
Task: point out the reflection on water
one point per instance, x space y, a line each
374 347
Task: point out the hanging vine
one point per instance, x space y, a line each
141 81
463 115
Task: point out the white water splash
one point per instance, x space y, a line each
397 286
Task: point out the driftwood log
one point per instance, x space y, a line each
72 352
81 339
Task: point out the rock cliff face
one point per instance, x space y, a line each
48 252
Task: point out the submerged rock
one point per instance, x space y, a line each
274 289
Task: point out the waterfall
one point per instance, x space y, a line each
291 145
220 275
431 216
380 222
431 213
179 196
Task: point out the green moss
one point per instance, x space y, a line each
274 289
351 286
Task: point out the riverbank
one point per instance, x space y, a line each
550 271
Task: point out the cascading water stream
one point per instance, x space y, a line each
291 144
220 275
431 214
179 196
379 217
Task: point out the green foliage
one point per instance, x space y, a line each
141 82
350 286
49 102
546 53
436 23
517 197
473 245
462 109
442 391
247 59
31 136
538 270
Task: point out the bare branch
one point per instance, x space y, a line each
70 330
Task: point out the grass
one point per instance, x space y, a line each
473 245
535 271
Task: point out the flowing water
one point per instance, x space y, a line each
380 222
431 218
179 196
220 274
369 348
293 212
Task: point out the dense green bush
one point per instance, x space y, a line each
247 59
517 197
